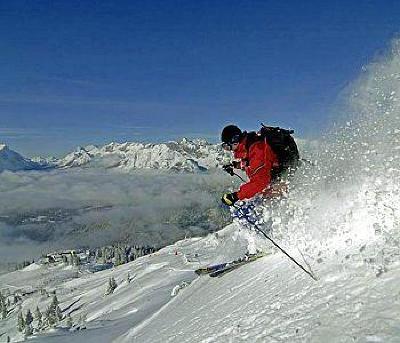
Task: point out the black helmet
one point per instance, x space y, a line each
231 134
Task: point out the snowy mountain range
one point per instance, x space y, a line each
185 155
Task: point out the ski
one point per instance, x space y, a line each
236 264
210 269
217 269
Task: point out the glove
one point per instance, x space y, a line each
229 169
229 199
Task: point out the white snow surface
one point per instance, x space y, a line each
264 301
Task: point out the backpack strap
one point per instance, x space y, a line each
251 138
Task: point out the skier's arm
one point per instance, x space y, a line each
259 171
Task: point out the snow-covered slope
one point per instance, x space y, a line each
267 300
185 155
152 281
11 160
272 301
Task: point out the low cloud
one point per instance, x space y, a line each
43 210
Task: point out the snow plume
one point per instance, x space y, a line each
68 208
347 206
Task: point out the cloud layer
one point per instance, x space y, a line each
43 210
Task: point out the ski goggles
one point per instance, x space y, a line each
228 145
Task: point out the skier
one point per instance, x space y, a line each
267 157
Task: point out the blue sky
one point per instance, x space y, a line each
80 72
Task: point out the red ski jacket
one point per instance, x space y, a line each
257 162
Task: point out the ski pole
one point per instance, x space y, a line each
239 177
274 243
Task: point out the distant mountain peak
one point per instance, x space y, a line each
13 161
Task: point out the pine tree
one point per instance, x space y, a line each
3 307
123 255
28 317
112 285
104 254
96 256
49 317
117 260
4 311
48 320
38 317
53 313
56 309
55 301
59 314
38 314
20 322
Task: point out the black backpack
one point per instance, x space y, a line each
281 142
